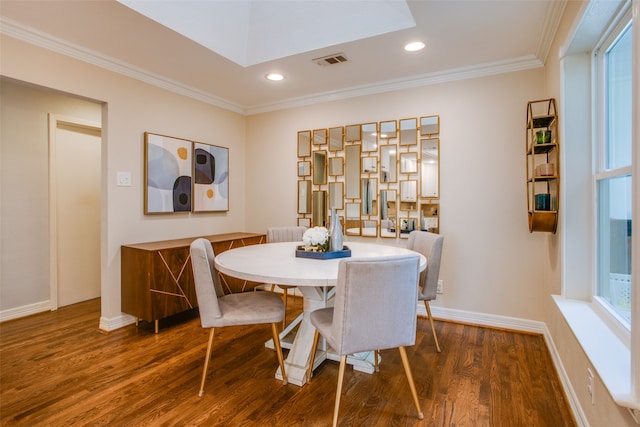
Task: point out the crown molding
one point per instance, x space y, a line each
464 73
46 41
38 38
549 28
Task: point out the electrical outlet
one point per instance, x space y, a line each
440 287
590 385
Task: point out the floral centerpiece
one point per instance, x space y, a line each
316 239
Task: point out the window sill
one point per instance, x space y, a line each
607 352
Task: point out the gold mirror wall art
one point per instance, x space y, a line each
383 178
304 143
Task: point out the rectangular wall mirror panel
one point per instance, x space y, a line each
369 228
369 196
319 136
369 137
336 195
408 192
304 197
319 167
389 129
336 166
408 131
352 221
429 213
352 133
304 168
430 168
369 165
429 125
388 161
304 143
388 213
352 171
319 215
304 222
336 139
408 163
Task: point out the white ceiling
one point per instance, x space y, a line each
464 38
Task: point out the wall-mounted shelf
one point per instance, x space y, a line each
543 165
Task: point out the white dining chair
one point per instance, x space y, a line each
429 245
285 234
219 310
374 309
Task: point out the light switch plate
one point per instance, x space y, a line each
124 179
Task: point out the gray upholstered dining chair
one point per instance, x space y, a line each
374 309
218 310
429 245
285 234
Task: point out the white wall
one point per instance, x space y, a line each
130 108
491 263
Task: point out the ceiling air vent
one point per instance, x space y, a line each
336 58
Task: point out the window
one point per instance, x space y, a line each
612 172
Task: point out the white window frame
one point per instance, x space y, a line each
600 172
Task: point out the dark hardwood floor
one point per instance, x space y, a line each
58 369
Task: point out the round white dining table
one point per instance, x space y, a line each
277 263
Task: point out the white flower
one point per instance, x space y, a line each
315 236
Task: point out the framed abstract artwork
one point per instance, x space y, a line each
210 178
167 177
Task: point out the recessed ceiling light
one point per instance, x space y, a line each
275 77
414 46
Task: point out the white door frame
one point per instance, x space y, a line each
54 119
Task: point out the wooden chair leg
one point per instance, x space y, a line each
206 362
313 355
412 386
276 343
343 364
285 294
433 328
375 360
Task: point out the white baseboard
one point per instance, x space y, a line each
110 324
25 310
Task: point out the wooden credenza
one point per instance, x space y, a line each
157 279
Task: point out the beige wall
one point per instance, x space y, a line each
24 184
130 108
491 263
